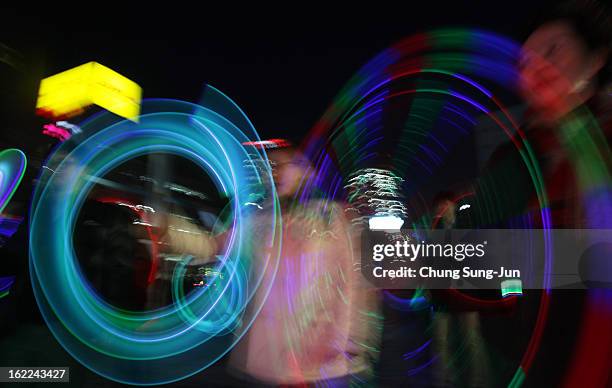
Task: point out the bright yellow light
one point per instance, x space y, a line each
67 93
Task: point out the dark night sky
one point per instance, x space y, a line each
282 66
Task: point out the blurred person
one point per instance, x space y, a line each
575 43
565 61
454 330
317 324
563 74
445 210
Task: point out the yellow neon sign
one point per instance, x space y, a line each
66 94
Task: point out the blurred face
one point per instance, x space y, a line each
557 69
446 210
290 167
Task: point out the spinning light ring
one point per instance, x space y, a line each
144 343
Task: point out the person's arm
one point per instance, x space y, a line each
186 238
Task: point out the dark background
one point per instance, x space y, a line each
282 65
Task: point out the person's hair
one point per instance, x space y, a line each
592 23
